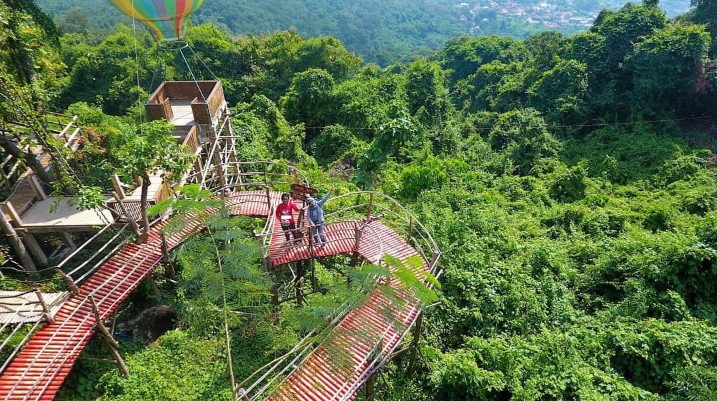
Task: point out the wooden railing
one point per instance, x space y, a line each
246 176
134 206
191 141
371 205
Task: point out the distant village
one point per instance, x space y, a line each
544 12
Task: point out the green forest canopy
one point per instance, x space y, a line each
569 181
380 31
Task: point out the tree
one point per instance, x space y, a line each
332 143
668 65
561 92
310 100
604 48
463 56
149 150
523 136
17 104
326 53
108 74
705 12
481 91
546 49
28 83
284 139
19 12
426 93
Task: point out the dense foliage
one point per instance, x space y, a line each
380 31
569 181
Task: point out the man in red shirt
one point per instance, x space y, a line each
285 214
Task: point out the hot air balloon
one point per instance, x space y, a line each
164 17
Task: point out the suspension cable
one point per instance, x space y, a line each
194 78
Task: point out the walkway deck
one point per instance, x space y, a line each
50 215
43 364
337 368
41 367
24 307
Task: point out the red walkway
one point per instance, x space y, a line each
337 368
39 370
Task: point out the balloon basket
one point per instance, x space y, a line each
173 45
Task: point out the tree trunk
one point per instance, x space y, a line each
17 244
370 389
144 205
32 161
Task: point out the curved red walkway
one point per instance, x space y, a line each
40 368
337 368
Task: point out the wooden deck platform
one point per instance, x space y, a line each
18 307
49 215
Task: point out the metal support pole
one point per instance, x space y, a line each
114 321
153 285
434 259
275 296
358 233
311 241
298 282
169 265
266 261
314 284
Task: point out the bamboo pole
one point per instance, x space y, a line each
130 219
68 281
17 244
46 313
414 344
110 343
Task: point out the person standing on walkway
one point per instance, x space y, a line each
315 216
285 214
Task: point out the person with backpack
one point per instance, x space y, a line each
315 216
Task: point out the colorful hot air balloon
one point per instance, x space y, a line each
164 17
